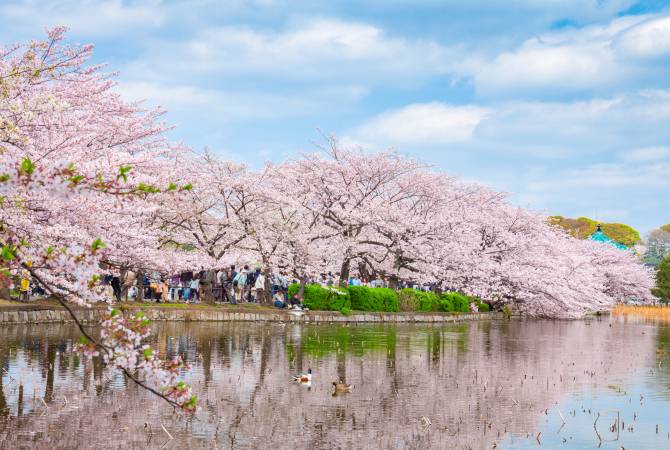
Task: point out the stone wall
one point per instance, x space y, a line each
221 314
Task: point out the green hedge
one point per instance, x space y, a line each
373 299
362 298
457 302
319 298
415 300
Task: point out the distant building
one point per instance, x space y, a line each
600 236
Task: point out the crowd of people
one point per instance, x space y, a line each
229 285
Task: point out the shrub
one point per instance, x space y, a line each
345 311
373 299
446 305
318 298
415 300
409 300
483 307
459 302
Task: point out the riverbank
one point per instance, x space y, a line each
45 311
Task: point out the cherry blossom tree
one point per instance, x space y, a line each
79 169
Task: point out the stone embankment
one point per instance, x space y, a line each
220 314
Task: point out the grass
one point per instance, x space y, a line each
656 312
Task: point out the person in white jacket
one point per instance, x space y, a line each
259 287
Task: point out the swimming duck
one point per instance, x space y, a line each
341 387
303 377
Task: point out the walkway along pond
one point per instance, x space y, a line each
47 314
475 384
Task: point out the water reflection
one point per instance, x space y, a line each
414 386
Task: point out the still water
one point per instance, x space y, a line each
509 385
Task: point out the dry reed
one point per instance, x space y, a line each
648 312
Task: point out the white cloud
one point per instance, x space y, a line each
607 176
650 38
434 123
90 18
647 154
320 49
574 60
556 130
224 105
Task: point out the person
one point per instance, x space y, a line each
195 289
157 290
240 283
330 279
229 293
377 282
165 290
296 302
251 282
278 300
25 285
220 280
128 281
116 287
284 283
276 283
259 287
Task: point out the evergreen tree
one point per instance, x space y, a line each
662 290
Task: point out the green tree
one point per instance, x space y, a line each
583 227
662 290
621 233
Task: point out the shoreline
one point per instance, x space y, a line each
12 313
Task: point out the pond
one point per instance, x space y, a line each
498 384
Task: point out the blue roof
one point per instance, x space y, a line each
599 236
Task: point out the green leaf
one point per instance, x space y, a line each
192 402
27 166
4 177
97 245
172 187
187 187
123 173
76 179
147 353
84 340
8 252
114 313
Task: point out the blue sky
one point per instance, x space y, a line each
564 104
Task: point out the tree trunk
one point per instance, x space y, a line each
267 288
393 282
124 289
344 273
140 286
303 282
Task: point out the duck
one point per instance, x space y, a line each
303 377
341 387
